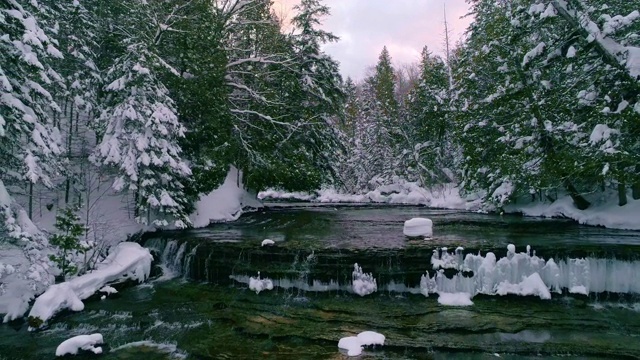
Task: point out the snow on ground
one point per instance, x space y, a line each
604 211
354 344
363 284
24 263
225 203
80 342
257 284
127 260
418 227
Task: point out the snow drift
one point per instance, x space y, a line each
127 261
225 203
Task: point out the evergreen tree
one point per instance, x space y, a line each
30 148
67 241
140 122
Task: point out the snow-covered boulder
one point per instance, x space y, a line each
354 344
81 342
418 227
127 261
267 242
455 299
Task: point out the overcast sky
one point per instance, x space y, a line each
404 26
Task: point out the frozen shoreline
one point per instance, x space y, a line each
604 210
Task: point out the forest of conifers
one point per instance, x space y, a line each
162 96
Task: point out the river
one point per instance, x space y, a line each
198 305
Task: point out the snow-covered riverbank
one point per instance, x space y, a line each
604 210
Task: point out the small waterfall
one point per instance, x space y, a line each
175 257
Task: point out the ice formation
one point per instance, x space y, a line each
418 227
354 344
526 274
257 284
363 284
81 342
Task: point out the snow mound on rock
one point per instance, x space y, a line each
418 227
128 260
81 342
354 344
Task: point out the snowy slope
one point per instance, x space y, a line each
604 211
225 203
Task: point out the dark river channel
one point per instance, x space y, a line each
198 304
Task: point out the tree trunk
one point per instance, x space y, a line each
635 187
67 186
580 202
622 194
30 200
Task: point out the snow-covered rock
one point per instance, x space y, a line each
354 344
108 290
81 342
127 260
418 227
267 242
455 299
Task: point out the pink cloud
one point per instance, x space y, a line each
404 26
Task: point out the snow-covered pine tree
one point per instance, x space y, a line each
520 133
30 146
429 123
140 130
77 28
318 102
141 138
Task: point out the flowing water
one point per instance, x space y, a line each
198 304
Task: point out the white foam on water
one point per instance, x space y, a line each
166 348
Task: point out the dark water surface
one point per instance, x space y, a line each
207 310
